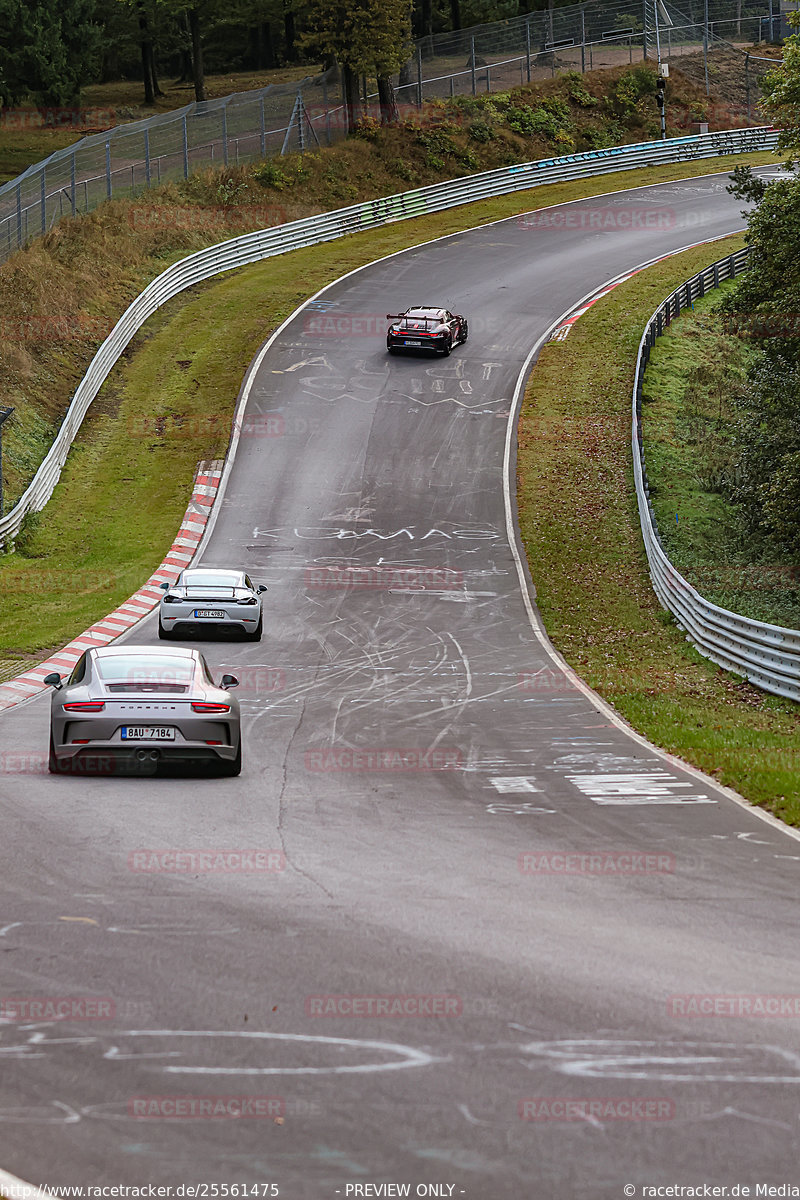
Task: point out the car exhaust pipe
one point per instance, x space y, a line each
147 755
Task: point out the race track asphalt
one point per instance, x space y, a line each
404 883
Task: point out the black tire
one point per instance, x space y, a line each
163 634
255 636
52 761
447 346
228 770
464 333
391 349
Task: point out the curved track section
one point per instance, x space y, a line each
404 747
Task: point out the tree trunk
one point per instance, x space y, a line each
146 48
387 101
151 55
266 51
455 14
427 18
198 74
738 18
352 100
289 30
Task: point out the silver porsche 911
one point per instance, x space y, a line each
211 599
136 707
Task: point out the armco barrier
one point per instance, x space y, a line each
767 655
310 231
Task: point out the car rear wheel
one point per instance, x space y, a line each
163 634
52 760
447 346
228 769
255 636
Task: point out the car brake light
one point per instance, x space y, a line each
205 706
84 706
247 600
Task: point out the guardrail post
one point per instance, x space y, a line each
488 84
716 274
147 156
472 62
327 112
527 53
225 134
109 187
419 77
185 149
19 214
43 196
747 84
72 182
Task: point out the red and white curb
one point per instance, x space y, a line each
559 334
181 553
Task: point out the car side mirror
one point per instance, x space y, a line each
53 680
165 586
262 587
229 681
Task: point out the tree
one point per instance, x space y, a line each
764 307
364 36
48 50
780 93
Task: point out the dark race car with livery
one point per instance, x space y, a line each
422 328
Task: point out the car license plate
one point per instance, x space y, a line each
148 733
215 613
411 343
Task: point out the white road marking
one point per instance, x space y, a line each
642 787
514 783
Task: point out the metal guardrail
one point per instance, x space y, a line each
250 126
310 231
767 655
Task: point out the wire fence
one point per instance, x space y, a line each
247 126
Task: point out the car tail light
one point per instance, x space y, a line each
80 741
247 600
169 599
84 706
205 706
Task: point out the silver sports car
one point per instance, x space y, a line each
136 707
206 598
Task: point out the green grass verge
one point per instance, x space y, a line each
580 525
696 369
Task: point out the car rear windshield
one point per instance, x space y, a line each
210 579
140 673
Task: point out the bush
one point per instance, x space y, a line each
576 90
269 174
480 131
551 119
